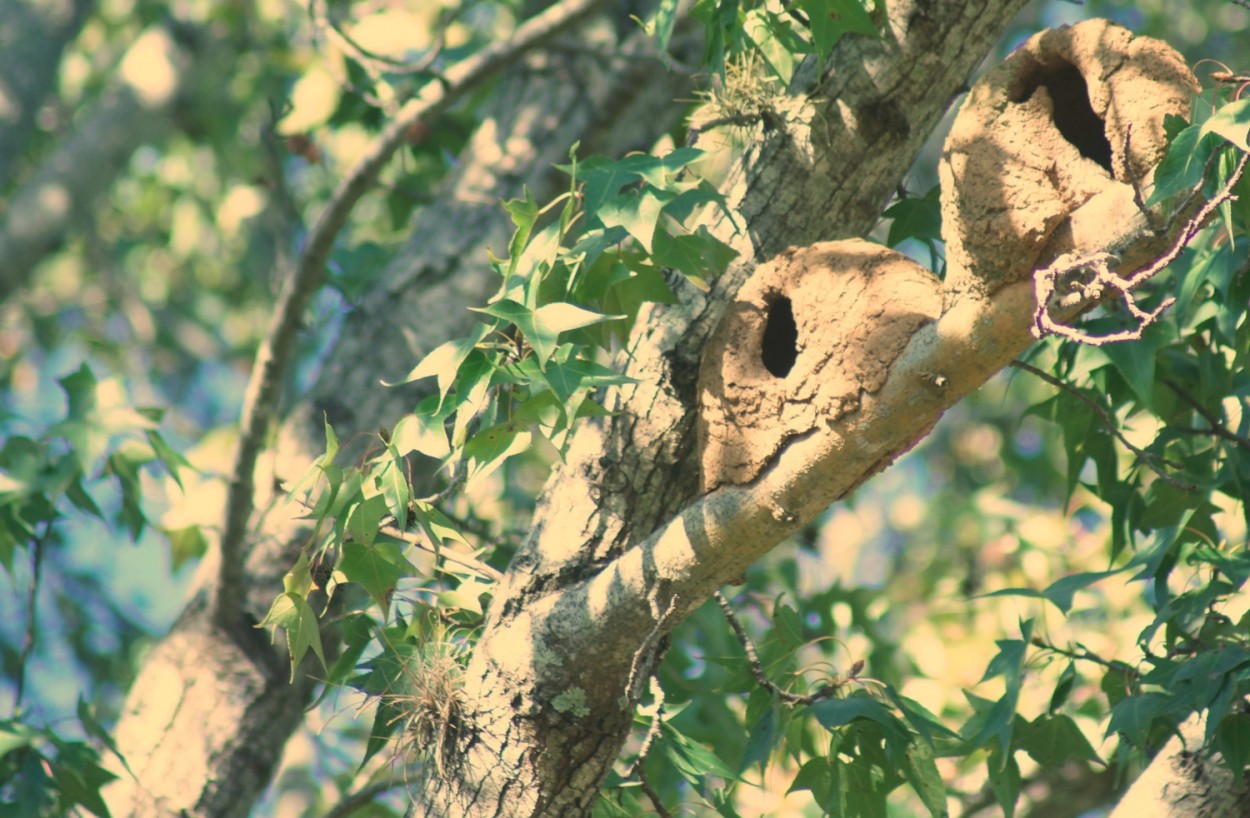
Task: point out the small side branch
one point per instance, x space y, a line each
1152 461
825 691
1086 280
1218 427
261 398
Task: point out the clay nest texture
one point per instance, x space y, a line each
809 333
1073 114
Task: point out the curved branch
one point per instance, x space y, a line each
261 398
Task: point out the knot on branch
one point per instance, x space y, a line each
1046 133
808 333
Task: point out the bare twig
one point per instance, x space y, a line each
32 613
648 741
1153 461
358 799
1089 279
633 685
1218 428
825 691
418 541
273 357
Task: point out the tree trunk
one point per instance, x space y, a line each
621 547
205 722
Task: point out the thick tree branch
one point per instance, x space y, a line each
263 389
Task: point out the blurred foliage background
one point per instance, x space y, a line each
163 290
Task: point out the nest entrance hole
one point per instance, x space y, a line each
1074 116
781 337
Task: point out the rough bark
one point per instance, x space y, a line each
620 549
206 719
1182 782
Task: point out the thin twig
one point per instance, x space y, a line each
1218 428
32 613
1102 281
273 357
633 686
1153 461
359 798
825 691
418 541
648 742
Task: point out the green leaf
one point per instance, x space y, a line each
185 544
487 449
1231 121
386 721
170 459
636 211
365 518
465 597
524 213
332 444
79 777
1061 591
918 218
830 19
443 362
762 737
438 525
1135 360
1063 687
1004 775
922 773
1232 740
80 390
692 760
93 728
662 22
699 256
1051 739
1133 717
374 569
394 485
126 471
815 777
292 613
835 713
542 327
1182 166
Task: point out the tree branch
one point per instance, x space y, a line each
1153 461
825 691
273 357
1218 427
